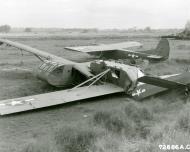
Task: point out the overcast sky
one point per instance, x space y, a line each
95 13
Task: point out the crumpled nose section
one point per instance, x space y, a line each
134 74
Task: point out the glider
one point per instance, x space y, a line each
125 50
87 80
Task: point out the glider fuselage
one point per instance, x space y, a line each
122 75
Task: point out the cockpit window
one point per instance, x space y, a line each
58 70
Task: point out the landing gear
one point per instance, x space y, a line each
187 90
187 93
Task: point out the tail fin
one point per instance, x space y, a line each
162 49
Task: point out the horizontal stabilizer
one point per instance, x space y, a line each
155 57
153 86
55 98
160 82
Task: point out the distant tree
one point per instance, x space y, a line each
185 34
147 29
5 28
28 29
89 30
85 31
187 26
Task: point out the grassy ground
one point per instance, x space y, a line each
113 123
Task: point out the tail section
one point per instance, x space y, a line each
151 86
162 49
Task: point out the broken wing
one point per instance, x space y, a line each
40 54
105 47
55 98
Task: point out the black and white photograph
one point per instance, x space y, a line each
94 76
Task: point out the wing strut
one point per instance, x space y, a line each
97 77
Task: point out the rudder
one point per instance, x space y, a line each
162 49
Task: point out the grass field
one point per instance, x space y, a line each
106 124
